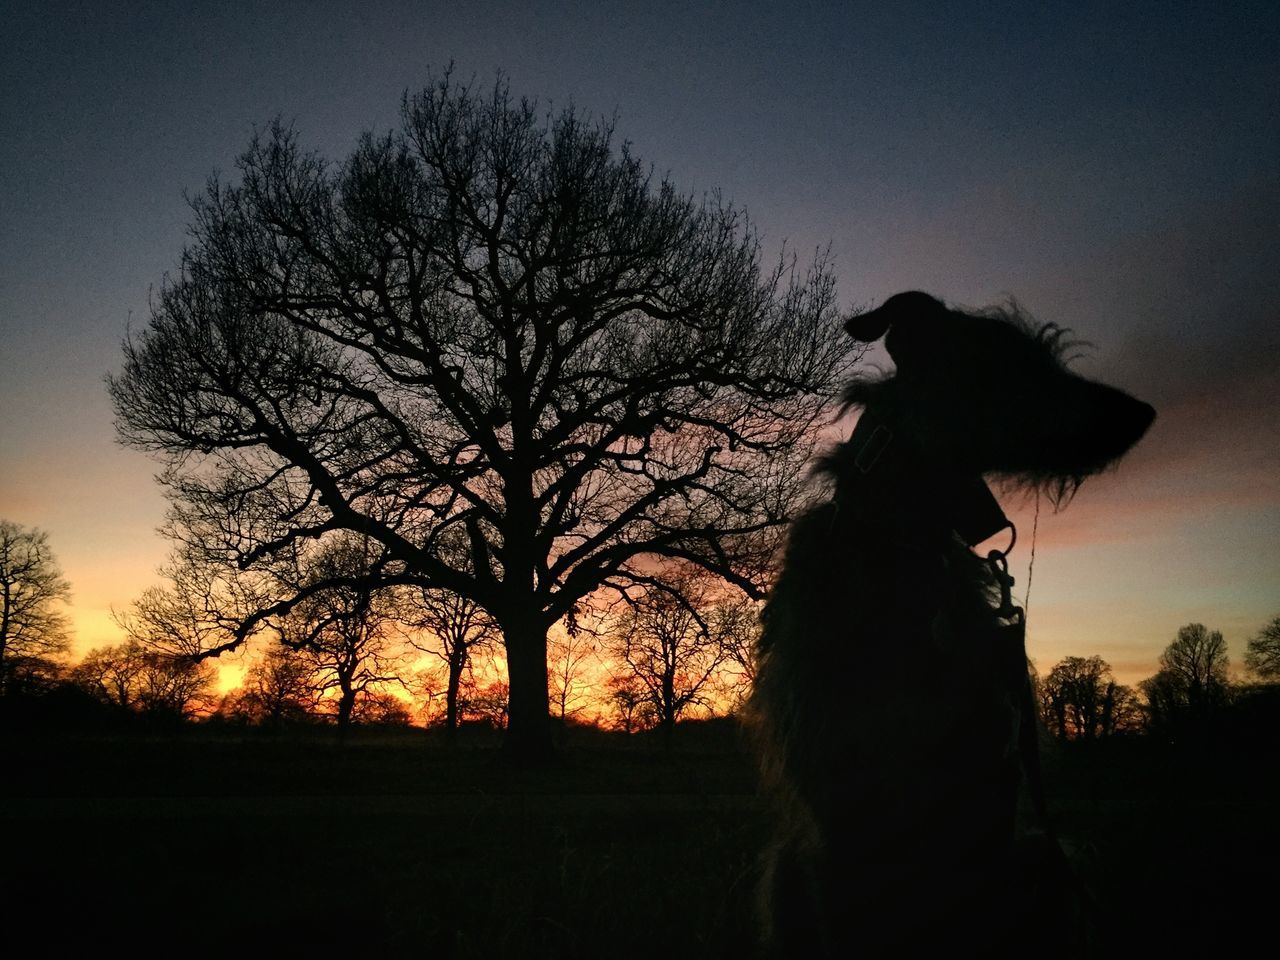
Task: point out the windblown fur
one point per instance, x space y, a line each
887 702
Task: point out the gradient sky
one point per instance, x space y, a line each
1115 167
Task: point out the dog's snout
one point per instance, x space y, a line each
1137 419
1119 422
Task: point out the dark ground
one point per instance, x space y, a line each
395 843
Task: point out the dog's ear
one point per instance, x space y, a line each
908 318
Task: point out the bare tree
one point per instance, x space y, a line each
277 688
629 703
1165 702
737 623
428 687
200 606
1122 712
110 674
382 708
486 701
346 633
486 325
135 678
1192 686
1081 700
666 642
568 658
1198 659
459 628
1263 654
33 628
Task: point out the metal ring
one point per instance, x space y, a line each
1013 541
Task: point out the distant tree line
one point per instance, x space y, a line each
1081 700
1191 696
362 651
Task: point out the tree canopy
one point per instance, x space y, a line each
1081 699
32 591
1263 653
1191 686
487 325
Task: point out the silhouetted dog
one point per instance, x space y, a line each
892 677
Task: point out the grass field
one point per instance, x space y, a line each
398 844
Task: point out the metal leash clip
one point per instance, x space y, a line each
999 563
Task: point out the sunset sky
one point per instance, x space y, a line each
1115 167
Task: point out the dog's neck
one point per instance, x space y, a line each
885 480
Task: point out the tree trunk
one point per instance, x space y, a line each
528 739
668 731
346 705
668 710
456 662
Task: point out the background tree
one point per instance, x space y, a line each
346 632
110 674
629 703
486 701
492 327
200 606
569 656
427 686
144 681
382 708
736 622
1081 700
1197 658
1263 654
1191 687
665 641
1124 713
458 628
33 629
277 688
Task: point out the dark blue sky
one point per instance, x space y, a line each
1114 166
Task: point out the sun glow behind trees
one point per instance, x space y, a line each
608 672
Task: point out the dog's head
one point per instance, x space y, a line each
991 393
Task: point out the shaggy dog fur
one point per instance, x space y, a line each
891 683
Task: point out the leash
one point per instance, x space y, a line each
1028 737
1031 566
